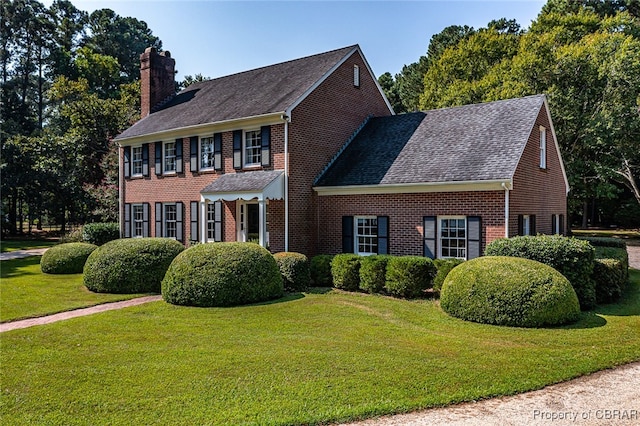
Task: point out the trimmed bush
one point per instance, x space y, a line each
409 276
345 271
320 267
572 257
100 233
605 242
611 273
130 265
373 272
222 274
66 258
443 267
509 291
294 268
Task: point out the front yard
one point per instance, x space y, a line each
308 358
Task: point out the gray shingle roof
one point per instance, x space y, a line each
260 91
242 182
467 143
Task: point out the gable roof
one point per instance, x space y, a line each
262 91
470 143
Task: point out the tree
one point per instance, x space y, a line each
391 91
190 79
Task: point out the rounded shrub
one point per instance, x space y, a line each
66 258
373 272
100 233
572 257
509 291
409 276
443 267
610 272
345 271
320 266
131 265
222 274
294 268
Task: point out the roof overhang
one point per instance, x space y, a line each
240 186
412 188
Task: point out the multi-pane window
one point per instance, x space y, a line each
543 148
211 222
170 221
138 220
136 161
526 224
453 237
356 76
169 157
366 235
252 148
206 153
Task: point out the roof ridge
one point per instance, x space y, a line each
540 95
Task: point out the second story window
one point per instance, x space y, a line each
169 157
356 76
136 161
252 148
206 153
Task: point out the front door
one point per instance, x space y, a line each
248 221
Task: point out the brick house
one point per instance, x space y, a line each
308 156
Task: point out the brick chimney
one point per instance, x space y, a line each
157 83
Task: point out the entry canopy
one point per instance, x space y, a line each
259 184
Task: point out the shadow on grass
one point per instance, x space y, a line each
14 268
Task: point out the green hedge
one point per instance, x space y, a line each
610 272
345 271
572 257
409 276
66 258
373 271
320 268
100 233
130 265
509 291
605 242
294 268
222 274
443 267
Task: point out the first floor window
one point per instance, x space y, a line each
170 221
136 161
211 222
169 157
138 220
453 237
252 148
206 153
526 224
366 235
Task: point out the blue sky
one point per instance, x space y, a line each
218 38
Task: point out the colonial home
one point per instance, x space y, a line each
308 156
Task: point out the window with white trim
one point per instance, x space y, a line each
366 235
252 148
356 76
211 222
207 153
138 220
453 237
543 147
170 221
169 157
526 224
136 160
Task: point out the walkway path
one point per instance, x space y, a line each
19 254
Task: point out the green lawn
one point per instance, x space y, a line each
13 245
26 292
304 359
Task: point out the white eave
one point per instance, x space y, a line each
412 188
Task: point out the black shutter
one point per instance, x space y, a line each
383 234
474 237
159 220
520 224
158 158
265 138
145 160
430 236
179 221
554 230
237 149
127 161
217 230
179 162
127 220
532 224
193 153
145 220
347 234
217 151
194 213
561 230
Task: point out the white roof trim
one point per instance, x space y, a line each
273 191
412 188
555 142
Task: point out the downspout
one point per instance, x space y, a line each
286 119
120 192
506 209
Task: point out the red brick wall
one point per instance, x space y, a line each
320 125
537 191
406 212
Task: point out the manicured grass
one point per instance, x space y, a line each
300 360
27 292
13 245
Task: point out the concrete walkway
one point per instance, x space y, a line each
19 254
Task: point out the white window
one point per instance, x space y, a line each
543 147
453 237
206 153
211 222
356 76
252 148
526 224
170 221
136 161
138 220
169 157
366 235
